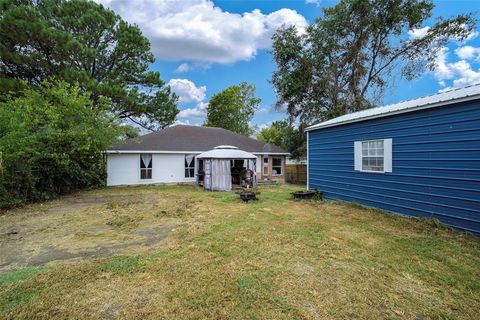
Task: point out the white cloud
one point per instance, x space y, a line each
263 110
471 35
187 67
317 2
468 52
418 33
184 67
442 70
258 127
422 32
177 122
261 126
467 76
197 30
459 74
187 91
199 112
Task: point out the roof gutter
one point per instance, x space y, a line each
183 152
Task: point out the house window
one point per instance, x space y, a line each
276 166
145 166
265 166
189 166
373 155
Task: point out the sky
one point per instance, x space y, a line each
202 47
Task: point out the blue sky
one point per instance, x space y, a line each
202 47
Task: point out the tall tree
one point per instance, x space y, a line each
233 108
343 62
83 43
286 136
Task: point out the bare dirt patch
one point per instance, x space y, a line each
92 224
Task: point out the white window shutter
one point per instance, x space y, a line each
387 149
358 155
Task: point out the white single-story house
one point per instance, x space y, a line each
169 156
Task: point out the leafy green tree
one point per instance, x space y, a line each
286 136
83 43
271 135
345 60
277 134
233 108
51 142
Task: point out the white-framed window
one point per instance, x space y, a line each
373 155
145 166
189 166
265 166
277 168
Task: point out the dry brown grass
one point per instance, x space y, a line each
272 259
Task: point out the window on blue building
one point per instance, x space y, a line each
373 155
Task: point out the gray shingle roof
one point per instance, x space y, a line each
194 138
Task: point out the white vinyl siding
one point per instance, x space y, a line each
124 168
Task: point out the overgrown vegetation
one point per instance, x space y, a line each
350 55
51 142
69 72
286 136
271 259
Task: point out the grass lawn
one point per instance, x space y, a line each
219 258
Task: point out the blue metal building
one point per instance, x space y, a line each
419 158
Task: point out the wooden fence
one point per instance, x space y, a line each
296 173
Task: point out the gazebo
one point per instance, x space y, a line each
218 167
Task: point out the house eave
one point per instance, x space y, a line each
182 152
392 113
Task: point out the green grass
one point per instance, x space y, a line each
19 275
270 259
19 292
17 297
120 264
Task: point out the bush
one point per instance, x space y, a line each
51 142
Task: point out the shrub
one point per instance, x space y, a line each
51 142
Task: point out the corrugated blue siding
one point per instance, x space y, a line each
436 164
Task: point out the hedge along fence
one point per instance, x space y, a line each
296 173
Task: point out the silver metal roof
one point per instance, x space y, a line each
435 100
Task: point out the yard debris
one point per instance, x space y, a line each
80 226
277 259
176 208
